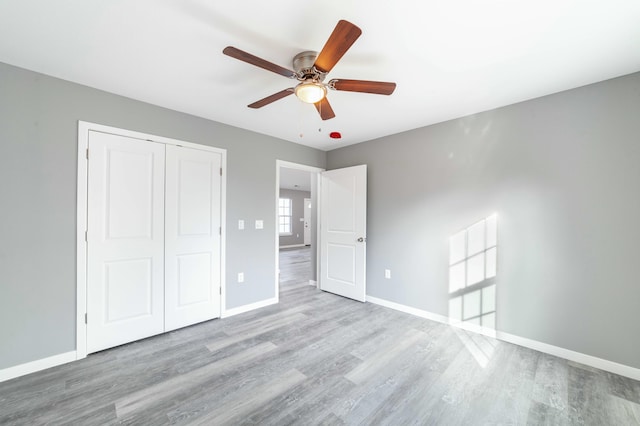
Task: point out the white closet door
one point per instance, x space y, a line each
125 249
192 236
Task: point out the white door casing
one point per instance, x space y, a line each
192 236
125 229
343 232
307 221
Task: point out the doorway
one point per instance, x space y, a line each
297 194
339 207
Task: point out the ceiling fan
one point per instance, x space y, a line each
311 68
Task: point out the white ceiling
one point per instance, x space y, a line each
298 180
450 58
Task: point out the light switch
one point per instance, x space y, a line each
259 224
387 273
240 277
241 224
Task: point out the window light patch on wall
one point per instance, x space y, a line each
473 254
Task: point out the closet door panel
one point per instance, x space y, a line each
125 240
192 236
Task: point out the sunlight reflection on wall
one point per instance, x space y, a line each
472 270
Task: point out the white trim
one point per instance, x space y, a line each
292 246
37 365
298 166
250 307
408 309
223 231
84 128
318 229
313 283
310 169
81 244
591 361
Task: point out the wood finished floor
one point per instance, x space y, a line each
316 358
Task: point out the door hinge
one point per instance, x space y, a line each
86 237
87 153
220 230
220 171
85 319
220 291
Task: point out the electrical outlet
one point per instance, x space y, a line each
259 224
240 277
387 273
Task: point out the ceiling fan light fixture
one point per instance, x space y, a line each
311 91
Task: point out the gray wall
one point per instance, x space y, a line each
38 133
297 206
563 174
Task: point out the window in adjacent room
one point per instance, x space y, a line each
284 212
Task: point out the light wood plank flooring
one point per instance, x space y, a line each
314 359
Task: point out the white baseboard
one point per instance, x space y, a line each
250 307
591 361
53 361
43 364
37 365
292 246
408 309
313 283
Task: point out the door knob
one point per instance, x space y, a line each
362 240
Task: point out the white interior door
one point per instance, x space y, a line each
192 236
125 240
307 221
343 232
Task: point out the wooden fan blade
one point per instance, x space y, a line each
258 62
340 40
276 96
364 86
324 108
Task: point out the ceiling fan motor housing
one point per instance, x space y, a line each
303 66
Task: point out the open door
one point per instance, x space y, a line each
343 232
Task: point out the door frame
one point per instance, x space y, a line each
84 128
312 170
